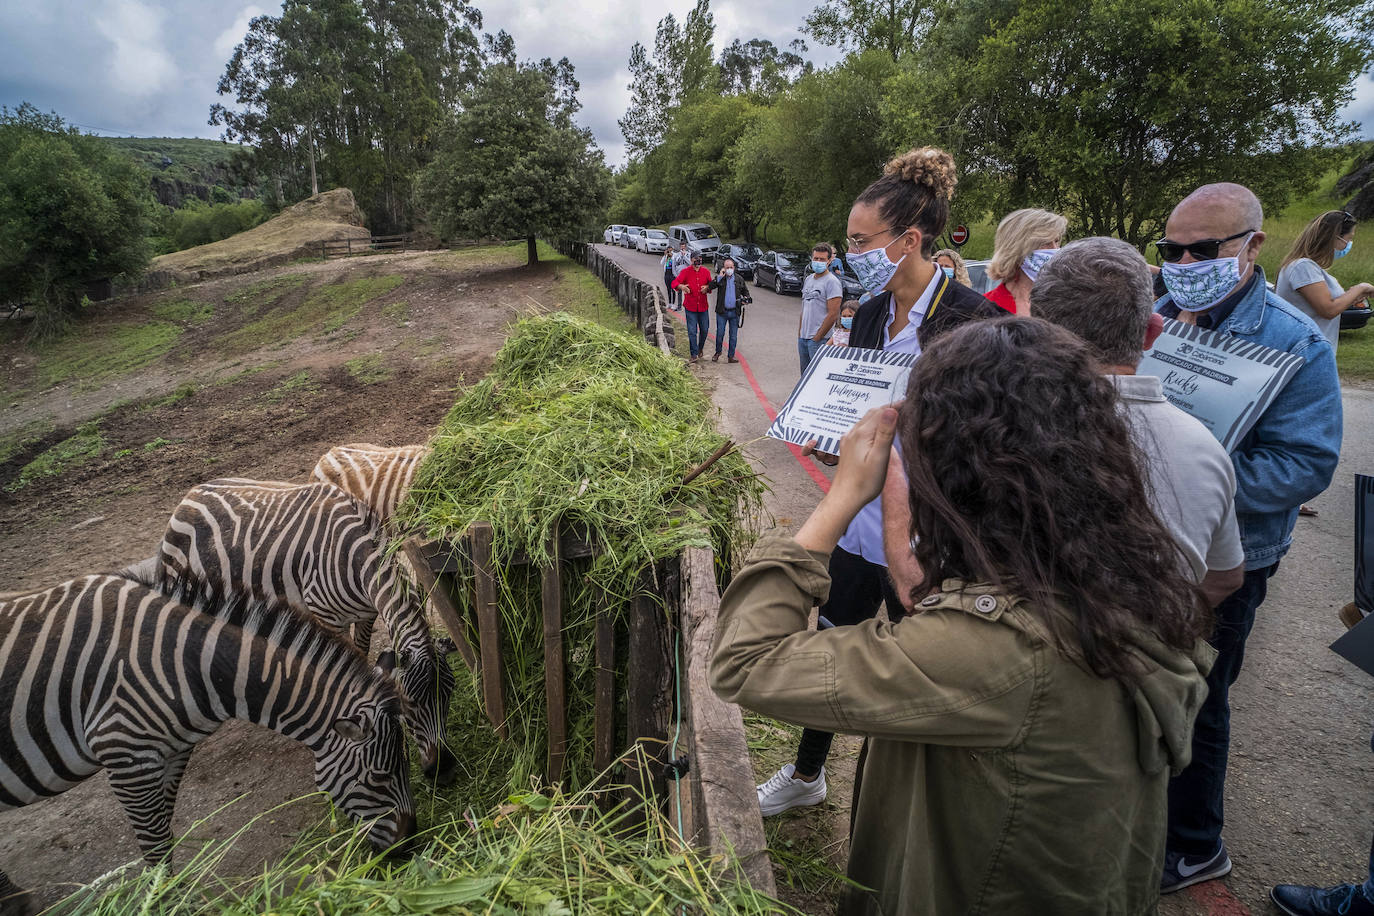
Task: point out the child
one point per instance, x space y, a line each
839 334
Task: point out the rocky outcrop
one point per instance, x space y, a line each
294 233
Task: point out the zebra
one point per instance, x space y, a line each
376 475
321 551
104 672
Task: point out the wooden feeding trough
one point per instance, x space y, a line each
663 652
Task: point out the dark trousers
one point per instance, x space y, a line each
857 589
697 323
668 284
731 320
1195 795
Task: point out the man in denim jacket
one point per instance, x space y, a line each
1211 242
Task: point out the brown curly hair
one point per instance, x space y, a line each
1023 474
915 190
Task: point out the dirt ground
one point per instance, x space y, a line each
387 374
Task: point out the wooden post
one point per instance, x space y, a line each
488 626
724 798
649 686
439 599
603 705
555 680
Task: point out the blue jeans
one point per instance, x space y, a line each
1195 795
668 285
697 323
730 319
806 349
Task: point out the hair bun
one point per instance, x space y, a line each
928 166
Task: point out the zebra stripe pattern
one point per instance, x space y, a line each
103 672
377 476
321 551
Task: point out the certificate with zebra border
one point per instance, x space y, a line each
1224 382
837 389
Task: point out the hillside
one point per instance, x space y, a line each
183 168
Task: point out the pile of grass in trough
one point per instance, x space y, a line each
582 428
555 856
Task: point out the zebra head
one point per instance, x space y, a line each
362 763
428 682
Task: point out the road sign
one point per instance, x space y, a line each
959 235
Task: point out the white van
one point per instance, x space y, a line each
698 236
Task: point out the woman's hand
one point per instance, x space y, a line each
862 471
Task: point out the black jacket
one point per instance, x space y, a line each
741 292
952 305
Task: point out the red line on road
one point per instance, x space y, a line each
1217 900
807 465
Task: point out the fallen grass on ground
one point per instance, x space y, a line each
92 356
369 369
15 442
85 445
330 306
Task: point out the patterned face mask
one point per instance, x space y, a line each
873 268
1036 261
1198 286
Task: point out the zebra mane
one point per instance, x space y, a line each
273 620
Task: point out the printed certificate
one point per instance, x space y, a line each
1224 382
838 388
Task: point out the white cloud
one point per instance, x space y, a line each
140 65
230 37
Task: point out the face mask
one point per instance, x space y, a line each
847 322
729 271
1342 252
1198 286
874 269
1036 261
949 272
819 267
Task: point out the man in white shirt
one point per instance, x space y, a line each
822 295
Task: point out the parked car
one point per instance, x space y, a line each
1355 317
783 270
744 257
978 279
630 237
698 236
612 234
653 241
853 289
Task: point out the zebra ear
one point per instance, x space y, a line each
386 662
352 728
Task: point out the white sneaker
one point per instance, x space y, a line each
785 791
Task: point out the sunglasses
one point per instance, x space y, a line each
1201 250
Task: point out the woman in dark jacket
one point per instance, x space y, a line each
732 293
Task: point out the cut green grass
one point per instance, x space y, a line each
191 311
76 450
397 312
90 356
13 443
302 383
248 302
330 306
369 369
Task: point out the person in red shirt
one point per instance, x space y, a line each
1025 241
694 281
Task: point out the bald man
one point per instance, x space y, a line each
1208 251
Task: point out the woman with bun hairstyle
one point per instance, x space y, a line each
1025 242
893 226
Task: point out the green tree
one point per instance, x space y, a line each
513 163
756 67
1110 111
690 171
72 212
681 68
892 26
351 93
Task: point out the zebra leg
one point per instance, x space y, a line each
171 779
362 635
14 901
141 785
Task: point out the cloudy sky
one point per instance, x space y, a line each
149 67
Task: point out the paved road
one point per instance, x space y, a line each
1300 804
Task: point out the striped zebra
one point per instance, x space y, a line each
103 672
376 475
319 550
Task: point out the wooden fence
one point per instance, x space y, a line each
342 248
633 295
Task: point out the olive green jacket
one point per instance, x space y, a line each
1001 776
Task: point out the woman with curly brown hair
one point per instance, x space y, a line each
1024 720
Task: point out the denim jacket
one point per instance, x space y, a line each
1291 453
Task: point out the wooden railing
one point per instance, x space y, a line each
342 248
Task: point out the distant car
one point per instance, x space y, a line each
630 237
744 257
853 289
698 236
653 241
1355 317
783 270
612 234
978 279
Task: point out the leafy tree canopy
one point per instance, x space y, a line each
681 67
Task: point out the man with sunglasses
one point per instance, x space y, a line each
1208 254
